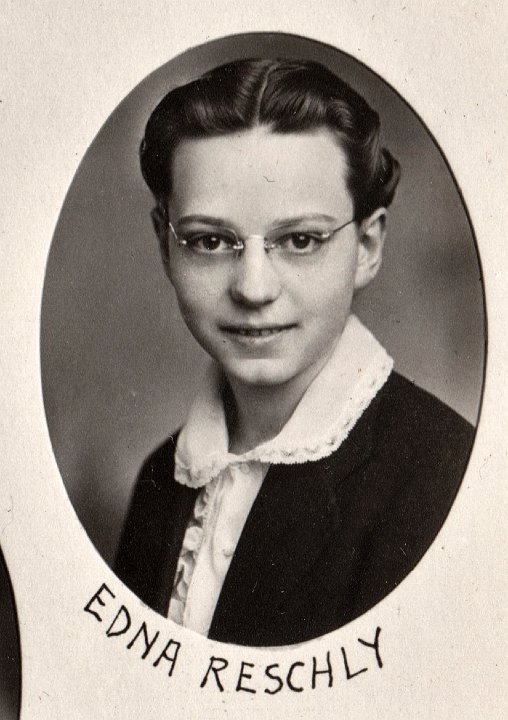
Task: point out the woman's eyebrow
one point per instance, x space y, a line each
297 219
205 219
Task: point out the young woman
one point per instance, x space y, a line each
309 477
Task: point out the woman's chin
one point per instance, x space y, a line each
260 372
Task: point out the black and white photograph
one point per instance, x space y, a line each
293 477
253 360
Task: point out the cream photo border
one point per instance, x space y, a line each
66 67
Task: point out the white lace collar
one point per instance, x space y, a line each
329 409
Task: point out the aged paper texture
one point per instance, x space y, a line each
435 647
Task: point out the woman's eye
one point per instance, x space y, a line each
209 243
300 243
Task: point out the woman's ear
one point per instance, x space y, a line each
370 251
160 225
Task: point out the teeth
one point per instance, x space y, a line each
257 333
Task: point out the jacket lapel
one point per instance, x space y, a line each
288 527
166 549
154 529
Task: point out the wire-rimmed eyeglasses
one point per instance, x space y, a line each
220 242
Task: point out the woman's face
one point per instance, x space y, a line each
267 317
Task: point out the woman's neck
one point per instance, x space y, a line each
256 414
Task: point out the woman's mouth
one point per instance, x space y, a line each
252 333
255 332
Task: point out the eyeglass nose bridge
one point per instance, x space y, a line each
267 245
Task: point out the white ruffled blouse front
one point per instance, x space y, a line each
329 409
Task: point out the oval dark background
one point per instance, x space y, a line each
118 365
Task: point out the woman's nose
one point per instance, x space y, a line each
254 280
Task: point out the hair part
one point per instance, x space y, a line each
287 96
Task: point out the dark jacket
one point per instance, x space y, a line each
325 540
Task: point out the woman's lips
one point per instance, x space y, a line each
260 331
250 333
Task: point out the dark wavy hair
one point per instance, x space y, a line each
285 95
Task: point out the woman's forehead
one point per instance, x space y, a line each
257 170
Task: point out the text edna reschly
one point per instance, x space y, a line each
219 673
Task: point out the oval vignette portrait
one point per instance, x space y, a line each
263 339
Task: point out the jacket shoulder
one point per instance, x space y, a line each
158 467
413 419
420 451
